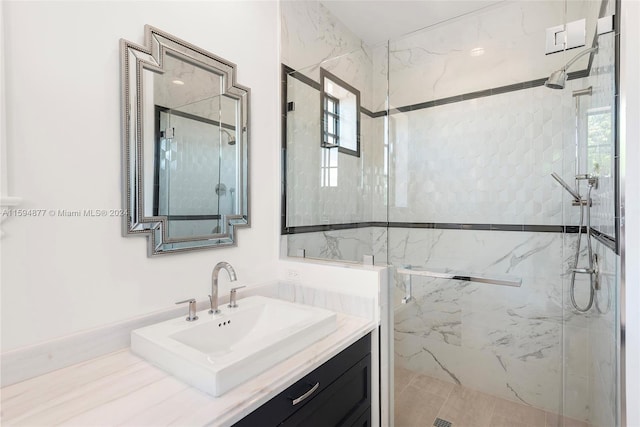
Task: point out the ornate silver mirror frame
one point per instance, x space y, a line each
142 67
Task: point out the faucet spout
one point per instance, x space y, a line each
213 298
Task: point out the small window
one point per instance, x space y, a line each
331 122
340 115
599 141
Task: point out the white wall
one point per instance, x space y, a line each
62 275
630 135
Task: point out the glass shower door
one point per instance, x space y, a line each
474 136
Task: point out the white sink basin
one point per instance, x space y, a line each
216 353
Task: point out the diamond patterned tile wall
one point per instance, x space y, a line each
485 160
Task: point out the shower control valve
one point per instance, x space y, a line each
590 178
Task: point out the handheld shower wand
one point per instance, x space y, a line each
566 186
592 270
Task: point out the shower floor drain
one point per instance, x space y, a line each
439 422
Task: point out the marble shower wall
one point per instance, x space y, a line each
346 245
525 344
311 35
505 341
314 39
494 47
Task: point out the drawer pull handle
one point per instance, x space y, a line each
307 394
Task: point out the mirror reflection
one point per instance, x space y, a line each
187 158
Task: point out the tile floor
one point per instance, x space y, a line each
420 399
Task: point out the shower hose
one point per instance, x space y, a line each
593 263
572 289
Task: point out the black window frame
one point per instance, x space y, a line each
328 116
324 114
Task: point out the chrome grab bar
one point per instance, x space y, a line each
467 277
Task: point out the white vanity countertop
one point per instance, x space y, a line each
122 389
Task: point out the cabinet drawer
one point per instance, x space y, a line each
308 387
364 420
340 404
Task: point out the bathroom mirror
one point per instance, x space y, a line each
185 145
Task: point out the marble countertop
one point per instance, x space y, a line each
122 389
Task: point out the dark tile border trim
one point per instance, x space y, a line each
331 227
371 113
315 85
302 78
533 228
449 100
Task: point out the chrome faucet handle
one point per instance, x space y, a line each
233 297
192 309
211 310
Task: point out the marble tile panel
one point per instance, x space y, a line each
431 324
346 245
531 341
522 254
310 34
439 57
451 363
533 384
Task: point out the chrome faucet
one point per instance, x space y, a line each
214 284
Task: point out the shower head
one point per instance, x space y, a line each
232 140
558 78
566 186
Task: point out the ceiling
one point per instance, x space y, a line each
375 21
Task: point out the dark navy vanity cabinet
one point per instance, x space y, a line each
338 393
